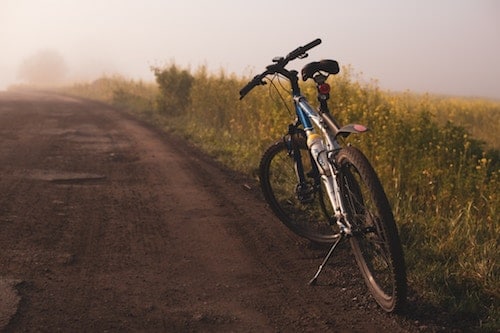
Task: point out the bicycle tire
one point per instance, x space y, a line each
375 242
278 179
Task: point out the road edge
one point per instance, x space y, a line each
9 301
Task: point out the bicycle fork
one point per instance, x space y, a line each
333 190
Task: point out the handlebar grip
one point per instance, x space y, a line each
302 50
246 89
312 44
257 80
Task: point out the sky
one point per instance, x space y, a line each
437 46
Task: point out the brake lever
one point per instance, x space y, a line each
303 56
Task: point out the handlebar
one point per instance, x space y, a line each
278 66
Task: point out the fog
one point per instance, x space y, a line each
444 47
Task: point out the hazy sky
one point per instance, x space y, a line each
437 46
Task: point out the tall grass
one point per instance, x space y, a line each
437 157
139 96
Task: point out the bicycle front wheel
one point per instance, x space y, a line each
302 206
375 241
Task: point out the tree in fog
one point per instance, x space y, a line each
46 67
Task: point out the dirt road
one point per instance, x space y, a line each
108 225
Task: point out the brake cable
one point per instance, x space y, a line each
273 85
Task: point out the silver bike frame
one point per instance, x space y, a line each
330 181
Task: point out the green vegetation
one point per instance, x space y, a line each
437 156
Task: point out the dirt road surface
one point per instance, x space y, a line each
106 224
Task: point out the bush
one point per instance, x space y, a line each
175 89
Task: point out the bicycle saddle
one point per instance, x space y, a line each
328 66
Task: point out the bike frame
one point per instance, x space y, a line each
323 121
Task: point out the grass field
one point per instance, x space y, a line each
437 156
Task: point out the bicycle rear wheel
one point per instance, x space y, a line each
302 207
375 242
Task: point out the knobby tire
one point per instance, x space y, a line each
375 241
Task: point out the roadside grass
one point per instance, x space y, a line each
438 158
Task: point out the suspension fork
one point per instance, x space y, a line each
334 191
303 190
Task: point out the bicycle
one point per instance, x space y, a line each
326 191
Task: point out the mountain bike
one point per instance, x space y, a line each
327 191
